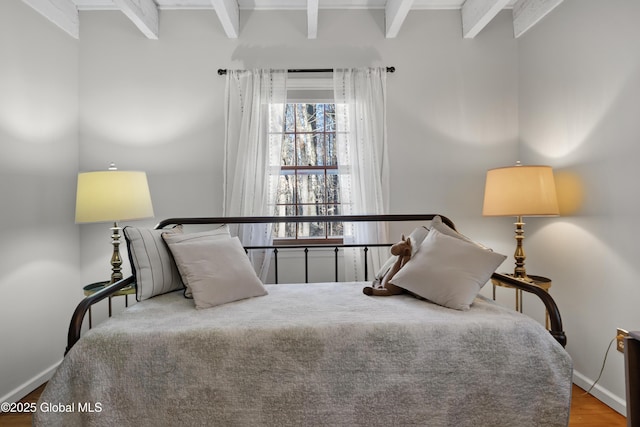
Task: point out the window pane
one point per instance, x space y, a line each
311 187
319 117
302 122
330 117
312 229
331 149
288 150
303 146
333 187
312 210
334 229
310 149
286 188
318 146
284 230
290 118
279 210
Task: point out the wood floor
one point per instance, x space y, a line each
586 411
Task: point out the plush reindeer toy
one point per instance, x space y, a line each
402 250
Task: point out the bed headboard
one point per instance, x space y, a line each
303 219
366 246
80 311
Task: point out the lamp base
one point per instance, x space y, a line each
520 272
116 260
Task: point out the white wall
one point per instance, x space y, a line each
39 262
154 106
157 105
579 92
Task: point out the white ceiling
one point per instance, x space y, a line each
280 4
475 14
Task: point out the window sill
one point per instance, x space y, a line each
307 242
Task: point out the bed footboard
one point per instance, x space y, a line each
555 321
75 327
77 319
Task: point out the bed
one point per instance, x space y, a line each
312 354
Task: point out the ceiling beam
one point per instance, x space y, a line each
229 16
476 14
395 13
312 19
143 13
527 13
62 13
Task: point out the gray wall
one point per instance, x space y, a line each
39 262
579 92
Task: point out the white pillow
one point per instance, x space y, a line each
448 271
152 265
218 233
437 223
218 270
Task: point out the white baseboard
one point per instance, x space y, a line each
616 403
26 388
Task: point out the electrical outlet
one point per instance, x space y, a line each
620 335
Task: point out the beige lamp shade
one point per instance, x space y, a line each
110 196
520 191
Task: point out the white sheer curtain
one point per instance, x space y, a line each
363 165
254 120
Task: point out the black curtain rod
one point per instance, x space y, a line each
223 71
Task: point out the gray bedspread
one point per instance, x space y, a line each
312 355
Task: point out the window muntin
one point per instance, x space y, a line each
309 181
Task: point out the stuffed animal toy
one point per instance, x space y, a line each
402 250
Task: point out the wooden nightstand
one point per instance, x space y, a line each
539 281
95 287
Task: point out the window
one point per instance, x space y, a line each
308 183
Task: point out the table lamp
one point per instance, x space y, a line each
112 196
520 191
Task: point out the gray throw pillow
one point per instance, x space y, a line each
448 270
220 232
218 270
152 264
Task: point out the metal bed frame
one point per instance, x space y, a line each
77 319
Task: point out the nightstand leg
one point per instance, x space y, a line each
546 319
